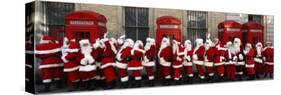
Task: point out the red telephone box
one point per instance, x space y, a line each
253 32
85 25
169 26
228 30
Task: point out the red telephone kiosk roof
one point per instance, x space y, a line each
252 25
229 24
168 20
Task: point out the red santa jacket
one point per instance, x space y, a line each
198 55
178 56
188 58
165 56
230 58
209 56
149 56
258 55
123 57
108 55
136 55
219 55
71 63
50 54
268 55
250 58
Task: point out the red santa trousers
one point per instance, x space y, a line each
72 77
149 72
200 70
220 70
47 74
108 69
230 71
90 75
259 68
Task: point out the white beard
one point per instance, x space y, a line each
236 48
259 49
86 50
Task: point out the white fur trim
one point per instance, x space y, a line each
258 60
107 65
177 66
121 65
151 77
269 63
135 68
28 65
72 50
47 51
63 59
176 78
29 52
190 75
71 69
148 64
198 62
87 68
220 48
118 56
138 78
50 65
239 73
201 77
230 62
209 64
168 77
47 80
164 63
124 79
218 64
187 63
240 63
211 74
250 66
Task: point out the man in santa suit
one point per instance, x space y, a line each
231 60
148 59
259 66
135 65
249 60
187 60
240 66
219 59
198 58
49 52
71 65
123 59
87 69
209 58
268 57
165 58
108 62
178 54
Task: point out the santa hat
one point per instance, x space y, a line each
130 42
45 39
165 40
259 44
199 41
187 43
120 40
150 40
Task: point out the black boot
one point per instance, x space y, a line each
92 85
257 76
151 83
47 87
265 75
271 75
251 77
110 85
219 79
240 77
83 85
138 83
178 82
210 78
59 84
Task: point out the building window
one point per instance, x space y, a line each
256 18
196 25
136 23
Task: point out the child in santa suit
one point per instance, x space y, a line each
209 59
219 59
71 65
198 58
148 59
187 60
259 66
51 66
268 57
178 54
240 66
123 59
231 60
108 62
250 64
165 58
87 69
135 65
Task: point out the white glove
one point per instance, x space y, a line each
222 59
63 59
264 58
162 60
241 57
145 59
118 57
235 58
195 57
188 58
179 59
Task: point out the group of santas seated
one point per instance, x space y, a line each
88 65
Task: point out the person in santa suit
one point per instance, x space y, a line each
135 65
240 66
71 65
148 59
123 59
178 54
49 52
108 62
165 58
259 66
231 60
87 68
268 57
198 58
219 59
120 42
187 60
209 58
250 64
